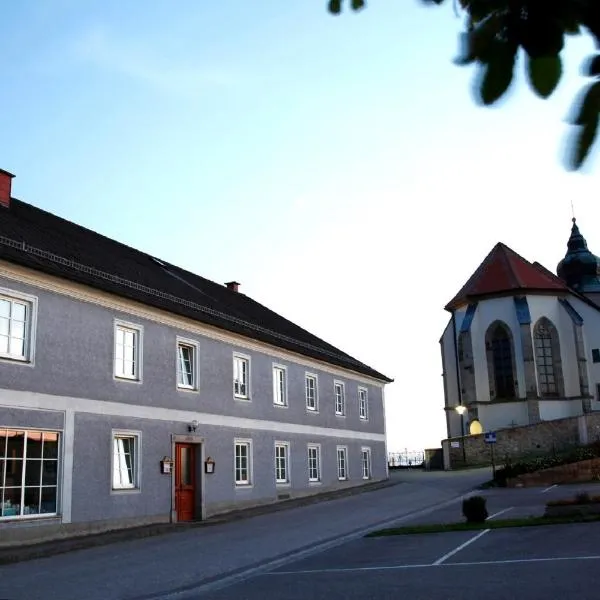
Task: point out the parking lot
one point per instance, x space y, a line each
524 562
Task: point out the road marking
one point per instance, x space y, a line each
500 512
444 558
430 566
548 488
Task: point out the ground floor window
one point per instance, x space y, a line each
314 463
243 464
125 464
281 462
342 462
366 463
28 472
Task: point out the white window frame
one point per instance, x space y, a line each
363 407
243 483
315 378
341 384
59 476
344 450
280 396
138 330
283 481
317 448
368 472
136 486
195 363
246 358
31 314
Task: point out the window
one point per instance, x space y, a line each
28 473
547 358
340 402
16 327
342 462
500 361
281 462
596 355
314 463
127 352
363 403
241 376
187 365
125 467
366 463
243 462
311 393
279 386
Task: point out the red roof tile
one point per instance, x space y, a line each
503 270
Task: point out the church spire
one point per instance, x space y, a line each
579 269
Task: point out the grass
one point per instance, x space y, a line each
499 524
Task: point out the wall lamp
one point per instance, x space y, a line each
193 426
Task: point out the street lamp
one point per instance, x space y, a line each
461 409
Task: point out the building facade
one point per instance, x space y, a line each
523 345
134 392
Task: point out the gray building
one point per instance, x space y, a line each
133 391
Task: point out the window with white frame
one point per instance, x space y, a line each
281 462
243 462
279 386
342 462
127 351
363 403
366 463
28 473
340 400
16 320
314 462
312 401
241 376
187 365
125 462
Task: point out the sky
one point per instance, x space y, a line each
338 167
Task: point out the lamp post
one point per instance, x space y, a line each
461 409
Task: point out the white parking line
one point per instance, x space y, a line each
433 565
439 561
548 488
500 512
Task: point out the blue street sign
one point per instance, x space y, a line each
489 437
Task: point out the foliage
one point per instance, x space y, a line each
539 463
495 32
578 499
474 509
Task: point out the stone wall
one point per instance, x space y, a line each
516 442
583 471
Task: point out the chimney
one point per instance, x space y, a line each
234 286
5 188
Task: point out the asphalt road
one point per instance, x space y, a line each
320 551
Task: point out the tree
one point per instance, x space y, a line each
496 30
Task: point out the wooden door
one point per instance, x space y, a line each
185 481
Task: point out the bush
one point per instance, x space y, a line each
474 509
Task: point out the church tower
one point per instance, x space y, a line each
580 269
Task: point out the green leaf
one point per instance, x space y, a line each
583 143
544 74
335 7
498 74
587 107
357 4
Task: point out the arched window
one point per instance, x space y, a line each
500 361
547 358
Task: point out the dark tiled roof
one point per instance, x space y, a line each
42 241
503 270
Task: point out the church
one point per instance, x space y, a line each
522 344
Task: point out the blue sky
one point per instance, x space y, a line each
337 167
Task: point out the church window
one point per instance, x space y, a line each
547 357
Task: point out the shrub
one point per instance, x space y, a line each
474 509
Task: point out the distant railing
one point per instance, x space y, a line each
406 459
